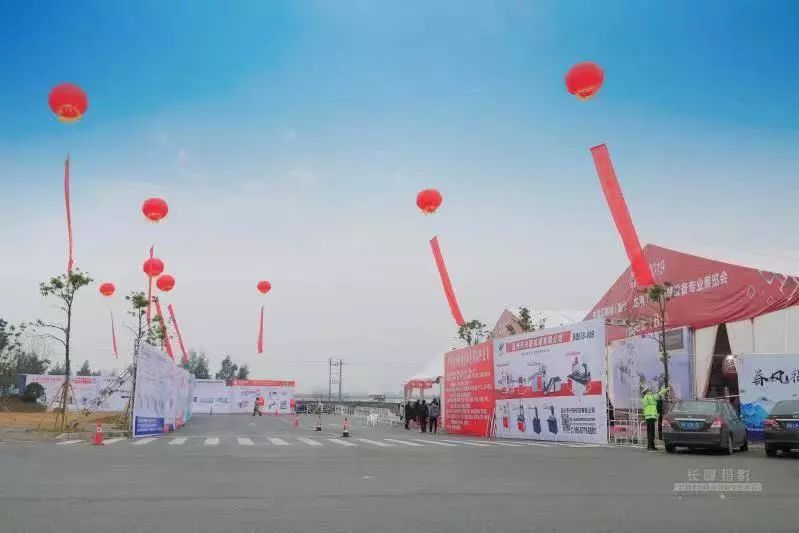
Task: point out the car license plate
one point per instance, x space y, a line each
792 425
691 425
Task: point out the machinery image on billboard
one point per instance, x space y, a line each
278 395
469 390
550 384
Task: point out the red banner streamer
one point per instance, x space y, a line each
69 215
150 287
448 291
261 332
621 216
167 342
114 336
177 330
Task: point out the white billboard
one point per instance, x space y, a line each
764 380
278 395
164 393
85 391
211 396
550 384
635 363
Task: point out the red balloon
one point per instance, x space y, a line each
264 287
429 200
155 209
68 102
107 289
584 80
153 267
166 283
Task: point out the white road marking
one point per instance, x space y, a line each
178 441
142 442
570 445
405 442
436 442
277 442
538 444
212 441
468 443
112 441
309 442
66 442
342 442
506 444
244 441
377 443
62 436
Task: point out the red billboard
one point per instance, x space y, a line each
469 390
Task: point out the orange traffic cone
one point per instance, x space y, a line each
98 434
346 432
276 411
296 421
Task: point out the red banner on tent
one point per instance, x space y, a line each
621 215
114 336
702 292
469 390
445 281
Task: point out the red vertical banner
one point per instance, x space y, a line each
445 281
621 216
177 330
69 215
114 336
167 342
469 390
261 332
150 287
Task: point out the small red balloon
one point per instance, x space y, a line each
429 200
68 102
264 287
153 267
107 289
155 209
584 80
165 283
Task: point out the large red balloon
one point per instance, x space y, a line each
429 200
107 289
165 282
68 102
153 267
264 287
584 80
155 209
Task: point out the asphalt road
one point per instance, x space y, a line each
233 473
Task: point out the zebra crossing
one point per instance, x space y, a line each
329 442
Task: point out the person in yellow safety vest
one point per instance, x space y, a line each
649 406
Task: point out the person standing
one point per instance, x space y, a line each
417 411
649 407
423 416
435 411
408 413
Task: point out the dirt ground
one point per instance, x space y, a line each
23 421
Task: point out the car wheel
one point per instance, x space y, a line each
770 451
728 447
670 447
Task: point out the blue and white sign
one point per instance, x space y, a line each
764 380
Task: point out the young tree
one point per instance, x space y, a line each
472 332
84 370
659 296
57 370
227 370
10 350
244 372
527 322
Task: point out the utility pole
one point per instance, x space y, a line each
333 377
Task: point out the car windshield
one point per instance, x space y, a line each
786 407
699 408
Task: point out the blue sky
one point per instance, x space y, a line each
291 138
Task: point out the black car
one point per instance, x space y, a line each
706 424
781 427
